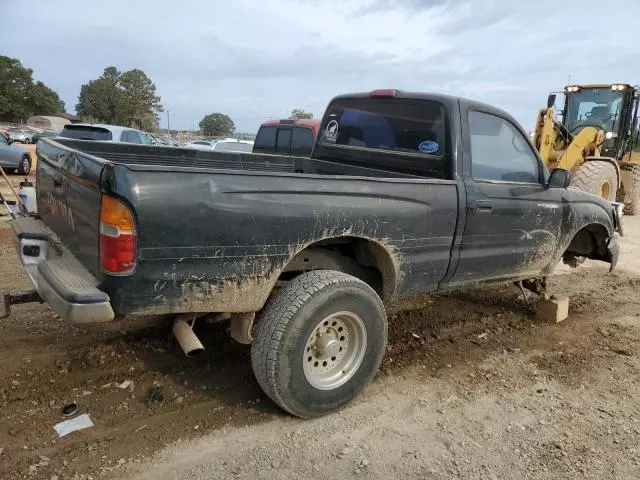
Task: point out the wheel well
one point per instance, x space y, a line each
362 258
590 242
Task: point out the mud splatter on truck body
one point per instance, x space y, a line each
217 231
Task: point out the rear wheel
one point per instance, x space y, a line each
599 178
631 183
25 165
318 342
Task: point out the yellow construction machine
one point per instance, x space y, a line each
594 139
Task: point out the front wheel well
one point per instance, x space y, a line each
364 259
590 242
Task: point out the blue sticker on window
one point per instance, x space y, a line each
428 146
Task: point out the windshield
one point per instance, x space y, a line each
594 107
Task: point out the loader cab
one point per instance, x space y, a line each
611 108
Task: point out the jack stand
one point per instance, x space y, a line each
524 294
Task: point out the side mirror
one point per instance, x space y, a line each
9 141
559 178
551 100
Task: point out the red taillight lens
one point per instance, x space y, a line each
117 237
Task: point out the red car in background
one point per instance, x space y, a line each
287 137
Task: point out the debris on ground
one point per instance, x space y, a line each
125 384
346 451
154 395
68 426
70 409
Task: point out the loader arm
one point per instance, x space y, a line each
558 151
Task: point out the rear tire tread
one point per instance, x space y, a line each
631 207
21 170
272 322
591 174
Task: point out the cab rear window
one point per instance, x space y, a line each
410 126
82 132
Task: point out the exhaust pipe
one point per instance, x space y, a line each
187 340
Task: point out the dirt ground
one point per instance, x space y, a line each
472 386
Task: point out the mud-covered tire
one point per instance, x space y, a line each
289 322
25 165
593 176
632 190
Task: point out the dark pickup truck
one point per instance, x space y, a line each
403 193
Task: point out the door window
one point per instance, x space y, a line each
3 139
499 151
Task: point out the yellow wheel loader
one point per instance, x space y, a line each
594 139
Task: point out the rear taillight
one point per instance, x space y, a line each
117 237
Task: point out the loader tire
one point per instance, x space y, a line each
599 178
318 342
632 189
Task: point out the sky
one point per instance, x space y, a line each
259 59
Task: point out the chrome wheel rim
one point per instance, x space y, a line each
25 165
334 351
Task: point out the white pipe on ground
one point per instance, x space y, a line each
187 340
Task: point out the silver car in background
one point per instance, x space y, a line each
14 157
22 135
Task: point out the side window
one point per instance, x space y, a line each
499 151
301 141
265 140
3 139
283 143
129 136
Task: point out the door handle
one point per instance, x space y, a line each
484 206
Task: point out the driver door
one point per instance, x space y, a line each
512 220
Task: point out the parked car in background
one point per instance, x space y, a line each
44 134
286 137
14 157
104 133
244 146
167 142
202 144
20 134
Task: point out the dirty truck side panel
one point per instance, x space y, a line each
219 241
68 185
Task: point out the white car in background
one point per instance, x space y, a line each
202 144
233 145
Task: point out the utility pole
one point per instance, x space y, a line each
168 124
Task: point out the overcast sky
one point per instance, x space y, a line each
259 59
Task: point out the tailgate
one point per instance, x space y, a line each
69 194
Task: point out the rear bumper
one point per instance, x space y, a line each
59 278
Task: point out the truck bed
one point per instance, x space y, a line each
216 230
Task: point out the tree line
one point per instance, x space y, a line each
122 98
